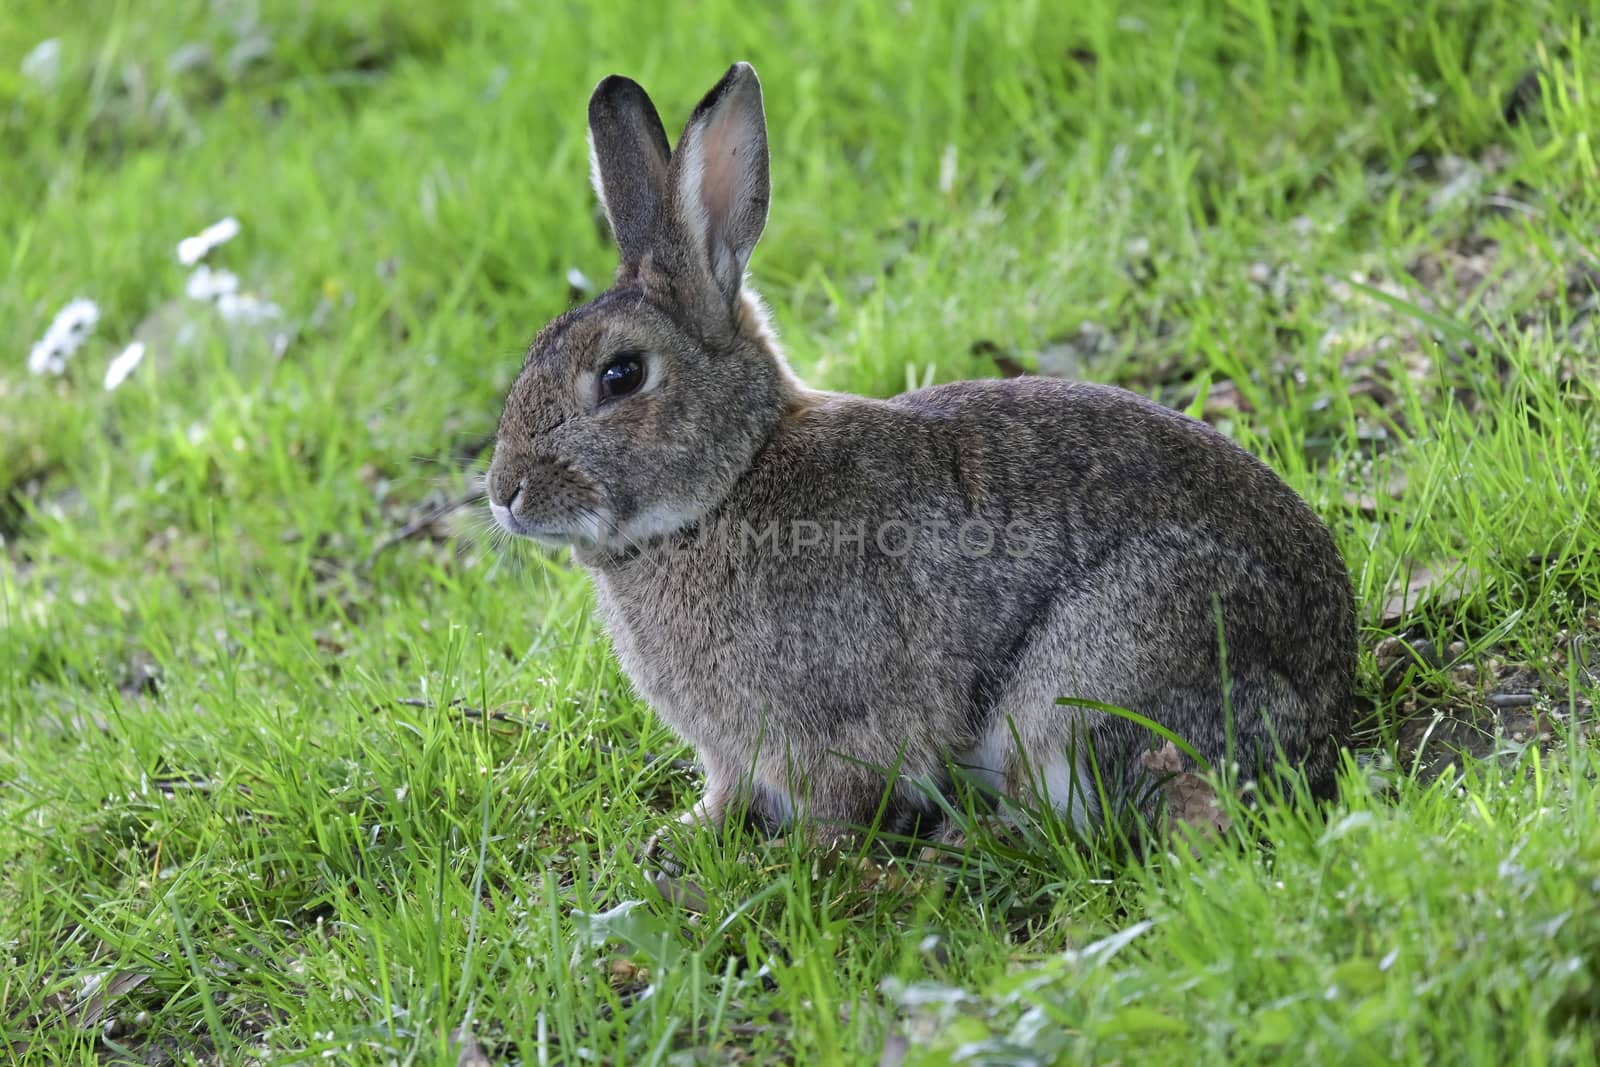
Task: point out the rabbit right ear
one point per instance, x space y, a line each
628 157
720 179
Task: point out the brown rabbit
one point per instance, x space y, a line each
841 601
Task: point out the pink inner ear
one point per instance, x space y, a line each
724 173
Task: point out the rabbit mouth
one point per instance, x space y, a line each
544 534
595 527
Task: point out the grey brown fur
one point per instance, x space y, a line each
802 673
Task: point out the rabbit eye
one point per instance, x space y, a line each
623 375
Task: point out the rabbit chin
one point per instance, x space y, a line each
545 535
597 529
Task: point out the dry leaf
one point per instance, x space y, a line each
1368 500
680 892
1004 361
468 1052
1190 800
100 992
1440 583
624 971
1008 367
1223 399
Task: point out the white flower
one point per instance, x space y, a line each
43 63
71 327
208 284
123 365
192 250
247 309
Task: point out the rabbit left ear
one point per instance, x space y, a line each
628 161
719 178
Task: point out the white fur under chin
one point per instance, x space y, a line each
655 521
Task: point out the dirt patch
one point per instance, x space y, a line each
1449 706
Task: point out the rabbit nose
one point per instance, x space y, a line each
503 490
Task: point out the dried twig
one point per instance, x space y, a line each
424 522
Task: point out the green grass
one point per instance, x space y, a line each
1312 220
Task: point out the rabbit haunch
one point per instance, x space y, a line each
1169 572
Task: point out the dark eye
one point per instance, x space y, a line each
623 375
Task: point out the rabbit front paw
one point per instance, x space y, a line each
709 812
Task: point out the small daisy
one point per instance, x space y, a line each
207 284
247 309
71 327
192 250
123 365
42 65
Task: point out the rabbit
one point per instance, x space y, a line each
847 605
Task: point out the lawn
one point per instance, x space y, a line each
299 762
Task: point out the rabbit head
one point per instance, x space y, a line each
634 414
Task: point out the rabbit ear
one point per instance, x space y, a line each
628 160
720 184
